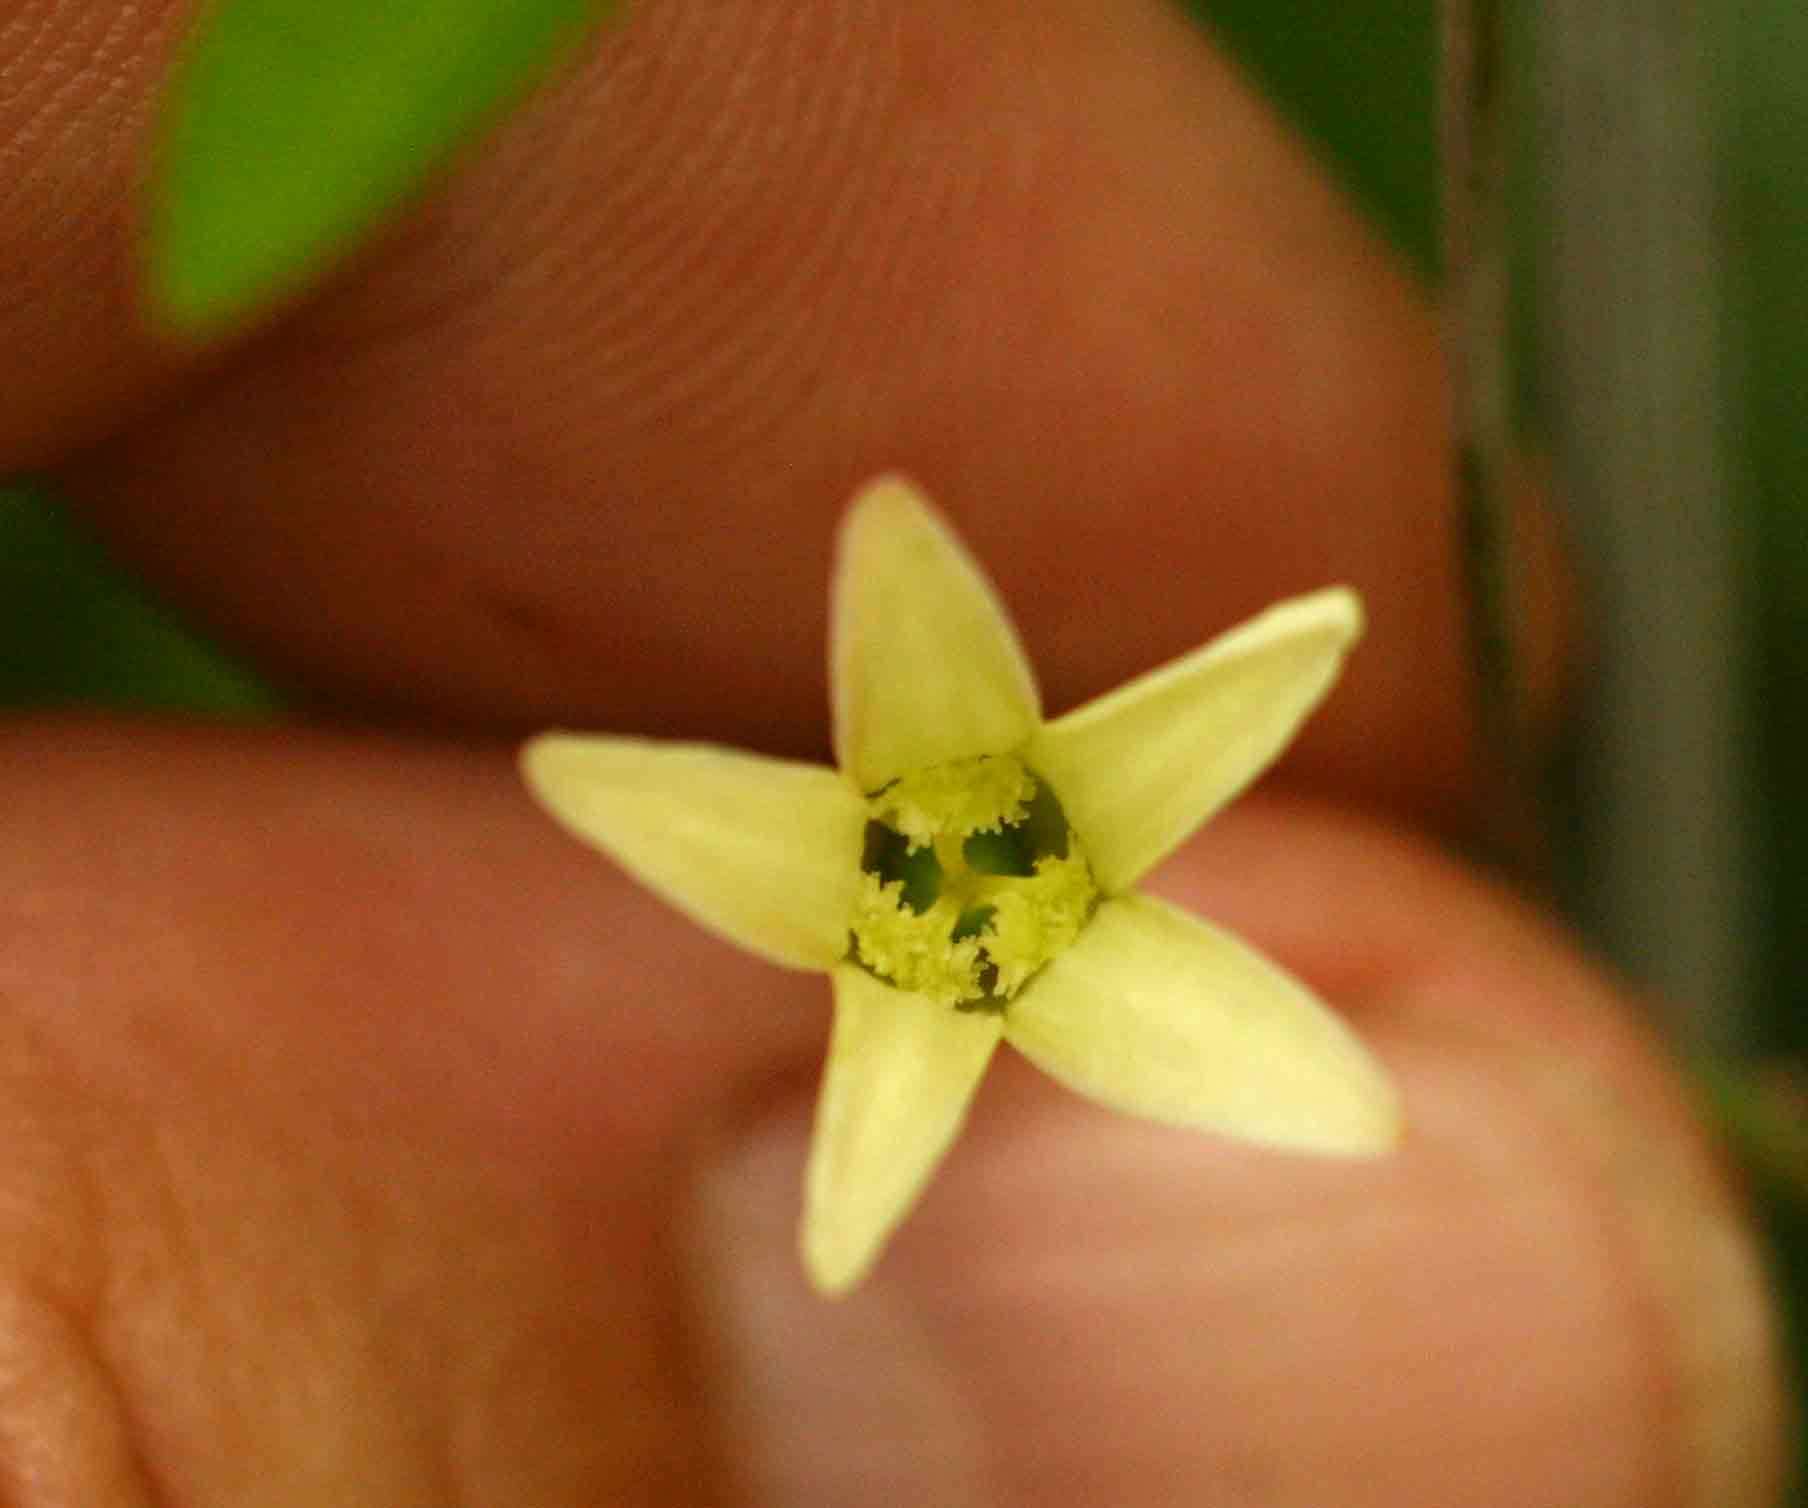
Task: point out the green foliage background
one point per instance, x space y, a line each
1765 99
76 631
1359 79
267 157
1767 204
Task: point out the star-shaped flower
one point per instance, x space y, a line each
967 876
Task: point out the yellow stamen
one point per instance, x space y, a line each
976 938
964 797
1036 918
915 950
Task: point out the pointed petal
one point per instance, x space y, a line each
764 851
924 663
1140 768
1159 1014
900 1075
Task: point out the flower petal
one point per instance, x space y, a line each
924 663
1159 1014
1139 769
900 1075
764 851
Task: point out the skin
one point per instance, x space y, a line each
369 1142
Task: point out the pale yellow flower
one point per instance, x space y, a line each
966 876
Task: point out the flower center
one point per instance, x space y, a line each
972 881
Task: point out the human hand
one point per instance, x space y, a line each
372 1144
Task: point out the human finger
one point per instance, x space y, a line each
586 421
371 1140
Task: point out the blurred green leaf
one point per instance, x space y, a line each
292 126
1765 1112
1765 105
73 631
1360 82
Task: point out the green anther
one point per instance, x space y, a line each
1004 852
890 856
973 921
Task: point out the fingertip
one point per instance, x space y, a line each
1548 1279
592 417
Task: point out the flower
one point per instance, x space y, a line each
966 877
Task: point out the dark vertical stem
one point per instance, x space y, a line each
1473 108
1635 362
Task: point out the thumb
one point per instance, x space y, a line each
370 1143
1545 1297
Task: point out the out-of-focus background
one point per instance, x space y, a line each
1674 419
